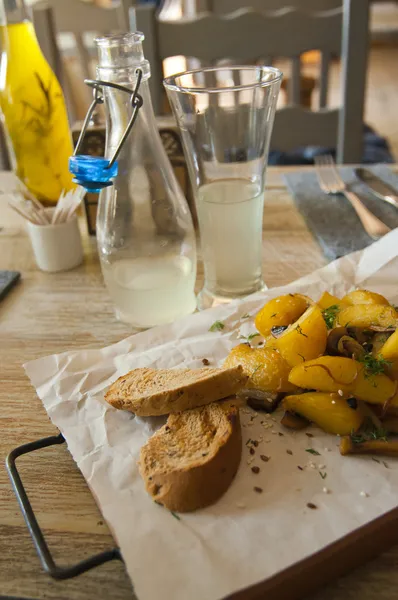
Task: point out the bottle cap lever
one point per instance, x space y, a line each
93 172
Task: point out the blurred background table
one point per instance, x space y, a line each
52 313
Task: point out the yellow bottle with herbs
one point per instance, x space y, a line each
33 108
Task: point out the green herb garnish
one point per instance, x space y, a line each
249 337
300 331
246 316
330 314
366 436
312 451
217 326
272 316
323 475
175 516
303 357
373 365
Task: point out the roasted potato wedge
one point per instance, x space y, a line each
329 411
304 339
327 300
385 448
265 367
364 297
378 342
333 373
281 311
389 349
367 316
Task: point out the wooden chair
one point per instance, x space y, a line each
247 35
74 17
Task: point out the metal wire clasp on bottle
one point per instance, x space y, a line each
92 172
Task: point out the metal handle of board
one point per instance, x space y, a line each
36 533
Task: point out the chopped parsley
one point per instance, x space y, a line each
330 314
251 336
312 451
175 516
373 365
245 316
367 436
217 326
323 475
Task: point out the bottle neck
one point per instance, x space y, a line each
13 11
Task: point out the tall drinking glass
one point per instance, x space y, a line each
226 116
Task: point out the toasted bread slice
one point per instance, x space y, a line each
155 392
191 461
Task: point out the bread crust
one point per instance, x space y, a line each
193 484
155 392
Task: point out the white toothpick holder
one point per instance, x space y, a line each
56 247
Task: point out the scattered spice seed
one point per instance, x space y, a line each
240 505
311 505
325 490
264 458
206 362
309 435
289 452
258 490
256 470
255 443
100 523
280 433
321 466
248 442
312 451
252 451
364 494
300 468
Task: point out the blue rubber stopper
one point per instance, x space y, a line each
91 172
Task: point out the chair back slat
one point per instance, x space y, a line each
294 82
324 79
246 34
296 126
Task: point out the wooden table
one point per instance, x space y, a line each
52 313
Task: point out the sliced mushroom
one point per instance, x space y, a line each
294 421
360 334
349 347
333 340
261 401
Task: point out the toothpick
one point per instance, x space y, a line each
21 213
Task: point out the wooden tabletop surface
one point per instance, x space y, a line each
52 313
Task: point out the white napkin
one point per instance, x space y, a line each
247 536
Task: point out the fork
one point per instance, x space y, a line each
331 183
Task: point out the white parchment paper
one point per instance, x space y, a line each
247 536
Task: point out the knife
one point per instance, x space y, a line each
378 187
